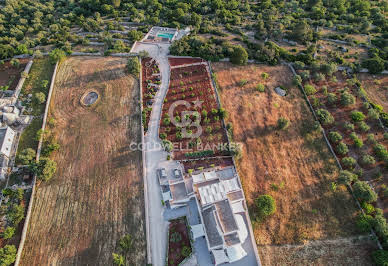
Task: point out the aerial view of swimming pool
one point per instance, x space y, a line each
166 35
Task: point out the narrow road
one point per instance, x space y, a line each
155 158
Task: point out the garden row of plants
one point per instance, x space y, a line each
192 85
150 78
358 139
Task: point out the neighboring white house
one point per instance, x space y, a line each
7 136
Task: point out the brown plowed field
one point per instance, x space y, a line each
96 196
294 166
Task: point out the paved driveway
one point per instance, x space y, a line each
155 158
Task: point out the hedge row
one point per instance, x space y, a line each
199 153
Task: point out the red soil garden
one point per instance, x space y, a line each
10 75
191 90
179 246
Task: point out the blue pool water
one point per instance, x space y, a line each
166 35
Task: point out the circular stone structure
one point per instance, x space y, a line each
89 98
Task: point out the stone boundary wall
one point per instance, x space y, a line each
22 79
349 187
145 182
29 210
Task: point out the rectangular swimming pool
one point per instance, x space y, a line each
166 35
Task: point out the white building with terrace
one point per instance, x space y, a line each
221 207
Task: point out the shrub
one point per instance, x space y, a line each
342 148
299 65
163 135
204 113
380 151
186 251
26 156
346 177
364 192
319 77
349 126
348 162
375 65
357 116
364 223
14 62
358 142
15 214
380 224
222 113
367 160
239 55
368 208
126 243
309 89
297 80
260 87
347 98
133 66
176 237
39 97
334 136
46 169
57 55
118 259
305 75
331 98
371 138
325 117
373 114
282 123
7 255
242 82
380 257
166 121
363 126
8 233
265 205
264 75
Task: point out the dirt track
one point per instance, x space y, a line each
96 196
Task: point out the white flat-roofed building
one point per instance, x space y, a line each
7 136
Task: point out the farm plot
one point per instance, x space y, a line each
292 164
354 131
376 87
150 85
96 195
191 118
10 73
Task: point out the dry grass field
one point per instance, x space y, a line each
96 196
292 165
